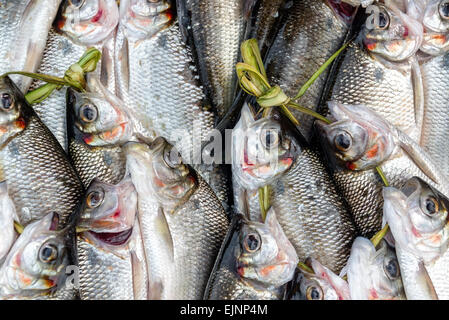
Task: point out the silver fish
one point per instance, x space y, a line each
215 30
255 262
109 250
35 265
374 273
307 204
313 32
78 26
359 140
37 171
24 25
417 215
182 221
7 217
321 284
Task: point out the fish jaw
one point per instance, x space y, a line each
90 24
333 286
436 30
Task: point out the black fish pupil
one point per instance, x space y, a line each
47 253
314 294
382 20
392 268
95 198
430 206
76 3
89 113
343 141
6 101
445 9
252 242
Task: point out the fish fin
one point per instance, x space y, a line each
248 8
138 274
123 66
423 278
107 66
418 90
164 231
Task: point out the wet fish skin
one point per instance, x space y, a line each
24 27
307 203
311 34
322 284
242 272
158 80
7 217
38 174
109 250
35 266
367 134
374 273
206 24
65 46
435 54
182 221
417 215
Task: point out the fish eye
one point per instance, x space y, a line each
430 206
343 141
391 268
88 113
314 293
171 157
270 138
94 198
384 21
252 242
48 253
7 101
444 9
76 3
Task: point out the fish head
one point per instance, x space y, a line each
436 27
374 274
262 150
390 33
359 138
87 22
13 110
108 211
38 258
265 254
144 18
418 218
101 120
170 179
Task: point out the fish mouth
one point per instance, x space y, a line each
435 43
267 170
113 238
107 137
344 11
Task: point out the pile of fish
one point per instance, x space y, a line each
160 178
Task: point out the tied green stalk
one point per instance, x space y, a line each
253 80
74 77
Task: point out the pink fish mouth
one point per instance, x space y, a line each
113 238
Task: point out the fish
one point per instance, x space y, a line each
24 27
255 262
78 26
373 272
110 254
158 80
8 216
380 69
356 142
314 216
264 22
214 30
182 221
98 125
417 216
320 284
312 32
36 264
38 174
435 56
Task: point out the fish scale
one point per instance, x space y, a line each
312 213
311 35
436 118
364 80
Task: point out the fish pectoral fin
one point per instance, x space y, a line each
164 231
423 279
